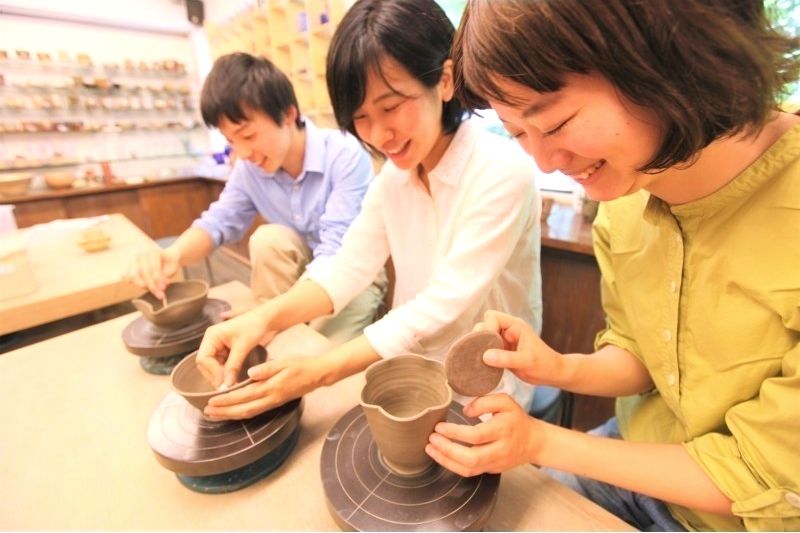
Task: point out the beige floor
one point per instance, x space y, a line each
223 267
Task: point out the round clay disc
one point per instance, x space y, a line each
467 374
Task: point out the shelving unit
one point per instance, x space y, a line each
293 34
62 113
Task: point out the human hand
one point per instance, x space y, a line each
509 438
225 347
276 382
153 268
525 354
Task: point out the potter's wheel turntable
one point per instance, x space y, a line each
363 494
161 348
221 456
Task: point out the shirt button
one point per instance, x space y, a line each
671 379
667 335
793 499
296 187
673 286
297 218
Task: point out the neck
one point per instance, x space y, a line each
293 165
718 164
432 159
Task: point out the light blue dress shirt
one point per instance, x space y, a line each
319 205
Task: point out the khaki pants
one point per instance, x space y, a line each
278 257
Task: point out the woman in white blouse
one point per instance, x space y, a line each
455 207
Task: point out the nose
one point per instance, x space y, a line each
548 155
376 133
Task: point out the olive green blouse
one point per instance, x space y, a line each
707 296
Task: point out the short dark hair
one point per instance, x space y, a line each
242 80
415 33
708 68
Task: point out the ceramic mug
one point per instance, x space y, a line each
403 399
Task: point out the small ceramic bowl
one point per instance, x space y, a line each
94 240
185 301
59 180
14 183
189 382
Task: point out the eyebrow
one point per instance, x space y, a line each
538 107
240 128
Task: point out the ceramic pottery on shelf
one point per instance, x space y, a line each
189 382
403 400
184 302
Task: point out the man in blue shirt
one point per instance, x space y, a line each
307 182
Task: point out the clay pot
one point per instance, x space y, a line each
14 183
93 240
403 400
185 301
59 180
189 382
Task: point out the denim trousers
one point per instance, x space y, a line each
642 512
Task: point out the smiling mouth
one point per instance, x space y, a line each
587 172
396 151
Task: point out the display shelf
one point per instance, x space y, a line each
293 34
75 163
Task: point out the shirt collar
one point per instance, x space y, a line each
782 152
313 158
450 167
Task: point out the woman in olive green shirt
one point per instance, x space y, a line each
666 112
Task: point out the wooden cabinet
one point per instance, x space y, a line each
170 209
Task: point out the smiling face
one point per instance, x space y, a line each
261 141
402 118
587 130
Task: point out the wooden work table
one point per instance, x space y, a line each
72 281
74 453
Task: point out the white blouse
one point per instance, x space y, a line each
470 245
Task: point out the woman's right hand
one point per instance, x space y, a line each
225 346
525 353
153 269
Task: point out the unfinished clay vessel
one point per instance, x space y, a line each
185 301
466 372
189 382
93 240
403 400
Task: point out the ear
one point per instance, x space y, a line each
447 82
290 115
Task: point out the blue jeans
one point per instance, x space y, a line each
640 511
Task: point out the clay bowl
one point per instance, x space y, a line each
59 180
403 399
189 382
185 301
93 240
14 183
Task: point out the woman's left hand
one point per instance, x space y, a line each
510 438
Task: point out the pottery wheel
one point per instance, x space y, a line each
363 494
143 338
188 444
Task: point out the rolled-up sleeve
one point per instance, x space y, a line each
228 218
490 224
351 173
757 466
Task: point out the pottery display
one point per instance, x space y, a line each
59 180
403 399
93 240
183 302
189 382
466 372
14 183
